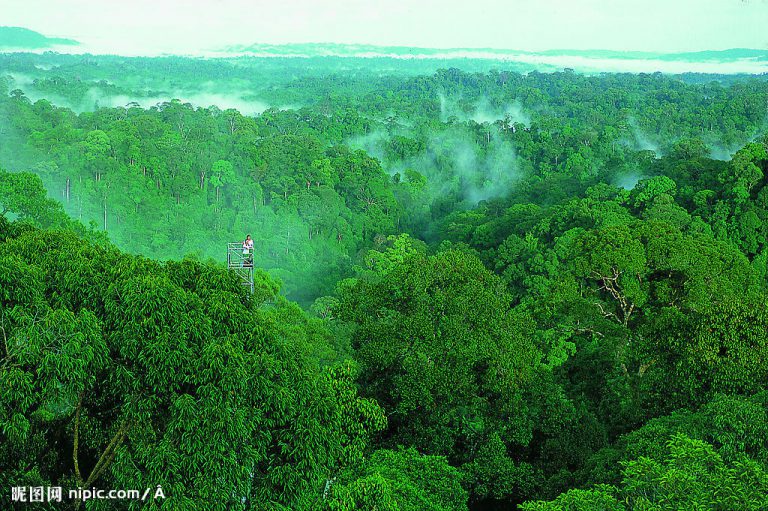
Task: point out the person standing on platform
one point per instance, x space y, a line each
248 252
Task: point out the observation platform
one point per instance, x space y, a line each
240 261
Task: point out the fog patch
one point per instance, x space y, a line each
18 80
454 164
204 100
374 144
722 153
481 111
95 98
641 141
627 180
511 114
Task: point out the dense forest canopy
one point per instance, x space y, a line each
476 288
194 177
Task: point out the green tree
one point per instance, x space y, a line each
23 195
402 480
443 352
222 173
132 373
691 475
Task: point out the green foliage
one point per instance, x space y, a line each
690 475
440 349
601 498
402 480
734 425
493 474
540 279
148 374
396 249
24 196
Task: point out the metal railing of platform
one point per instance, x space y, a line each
240 261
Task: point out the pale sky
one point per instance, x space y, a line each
189 26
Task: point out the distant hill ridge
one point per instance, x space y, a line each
319 49
18 37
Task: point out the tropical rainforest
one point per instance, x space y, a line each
474 289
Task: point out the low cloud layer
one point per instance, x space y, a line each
97 98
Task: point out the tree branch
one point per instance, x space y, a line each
109 453
5 339
77 440
104 460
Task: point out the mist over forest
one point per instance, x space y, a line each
481 279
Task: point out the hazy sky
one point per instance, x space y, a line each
152 26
